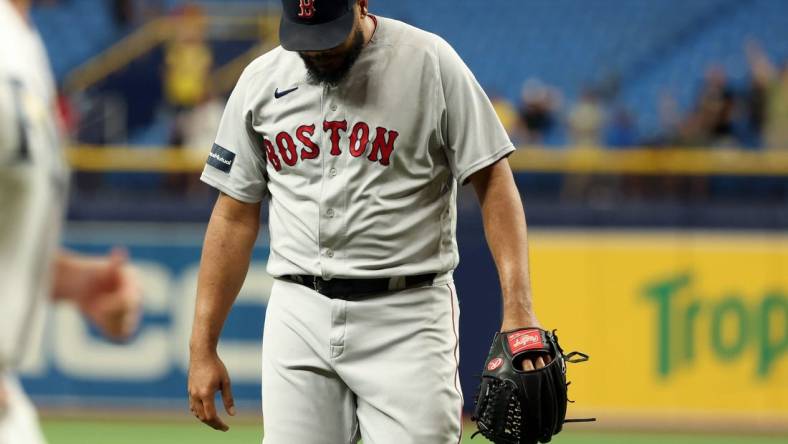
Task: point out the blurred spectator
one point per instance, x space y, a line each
757 95
772 97
777 122
713 116
585 120
538 109
188 59
188 63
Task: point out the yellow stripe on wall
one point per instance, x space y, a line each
140 160
644 161
640 161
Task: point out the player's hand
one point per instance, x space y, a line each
114 300
535 362
207 375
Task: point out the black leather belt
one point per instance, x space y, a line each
349 289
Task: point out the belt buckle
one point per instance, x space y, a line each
316 283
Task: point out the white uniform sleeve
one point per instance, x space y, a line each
236 163
9 123
472 135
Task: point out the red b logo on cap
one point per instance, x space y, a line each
307 8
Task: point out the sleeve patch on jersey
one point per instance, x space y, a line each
220 158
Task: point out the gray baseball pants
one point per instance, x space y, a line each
383 369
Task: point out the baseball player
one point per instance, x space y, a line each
33 183
358 131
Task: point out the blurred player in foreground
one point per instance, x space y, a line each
33 189
358 130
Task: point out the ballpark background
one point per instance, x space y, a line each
653 164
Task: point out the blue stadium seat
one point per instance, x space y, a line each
74 31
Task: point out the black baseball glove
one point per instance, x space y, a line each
514 406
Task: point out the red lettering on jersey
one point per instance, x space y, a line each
307 9
335 127
271 156
359 138
287 148
382 146
310 150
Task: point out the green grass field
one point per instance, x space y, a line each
133 432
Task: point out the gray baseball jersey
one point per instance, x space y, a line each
33 177
362 178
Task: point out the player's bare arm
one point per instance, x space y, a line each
226 254
105 289
505 230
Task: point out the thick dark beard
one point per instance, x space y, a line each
316 75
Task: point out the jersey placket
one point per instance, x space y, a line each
331 205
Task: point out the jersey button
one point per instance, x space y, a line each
333 107
330 253
332 172
330 212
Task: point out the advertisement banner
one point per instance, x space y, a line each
675 323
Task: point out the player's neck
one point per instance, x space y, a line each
368 26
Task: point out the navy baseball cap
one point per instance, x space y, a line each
315 25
